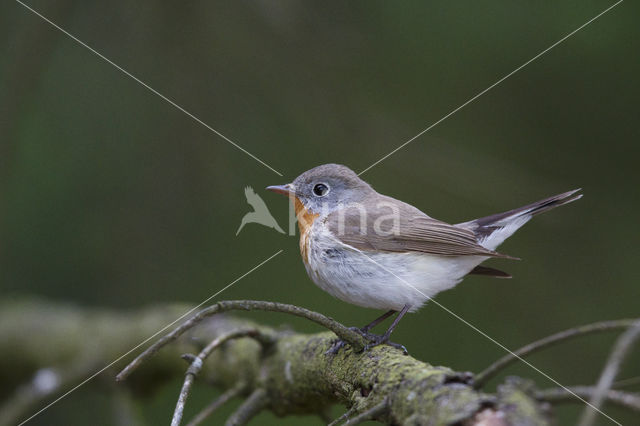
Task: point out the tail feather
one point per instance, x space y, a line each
530 209
492 230
490 272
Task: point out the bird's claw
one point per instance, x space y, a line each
374 340
382 340
335 348
339 343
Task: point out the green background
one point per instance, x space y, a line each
110 196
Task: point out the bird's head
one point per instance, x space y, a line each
325 188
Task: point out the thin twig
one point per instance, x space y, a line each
484 376
218 402
263 338
197 362
325 415
620 398
249 408
370 414
620 351
353 338
344 416
184 392
624 383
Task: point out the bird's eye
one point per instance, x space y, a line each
320 189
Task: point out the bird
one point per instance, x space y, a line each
375 251
260 213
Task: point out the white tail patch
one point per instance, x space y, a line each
503 230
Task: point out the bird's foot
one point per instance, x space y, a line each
339 343
374 340
377 339
335 348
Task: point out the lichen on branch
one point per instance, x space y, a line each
271 369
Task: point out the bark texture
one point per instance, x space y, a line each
293 375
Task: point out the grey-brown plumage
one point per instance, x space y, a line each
415 230
374 251
487 225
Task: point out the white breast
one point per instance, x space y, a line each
381 280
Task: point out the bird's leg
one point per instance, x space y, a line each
377 321
375 339
385 337
364 331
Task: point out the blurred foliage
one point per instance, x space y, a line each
111 196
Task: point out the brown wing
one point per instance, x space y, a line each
393 226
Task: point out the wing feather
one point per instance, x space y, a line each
393 226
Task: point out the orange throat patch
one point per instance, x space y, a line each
305 220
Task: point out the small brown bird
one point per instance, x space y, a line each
374 251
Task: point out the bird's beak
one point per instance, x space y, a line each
282 189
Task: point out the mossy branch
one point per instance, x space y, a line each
356 340
281 371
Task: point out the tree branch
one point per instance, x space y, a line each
370 414
256 402
484 376
295 375
197 361
560 395
624 383
354 339
620 351
218 402
300 375
350 412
